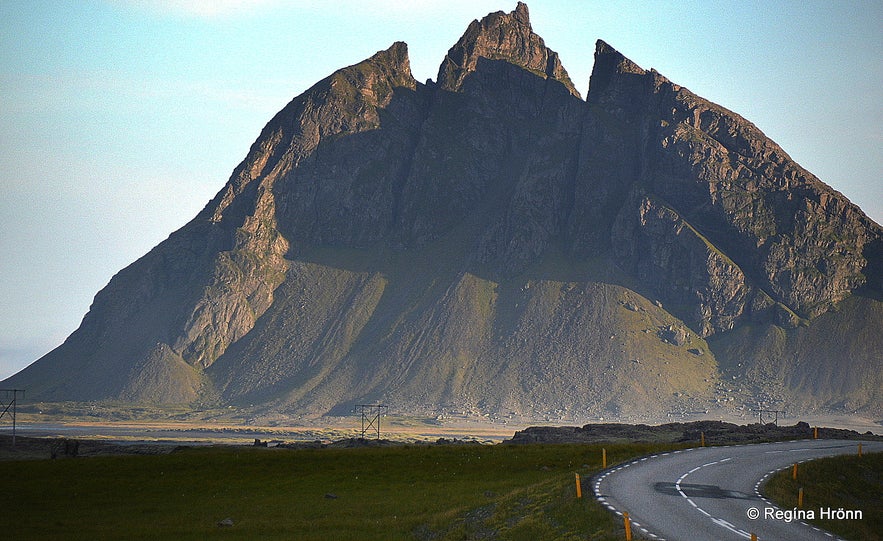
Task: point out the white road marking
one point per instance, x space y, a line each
719 521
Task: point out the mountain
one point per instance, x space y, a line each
492 244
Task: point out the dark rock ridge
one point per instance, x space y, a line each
491 244
713 432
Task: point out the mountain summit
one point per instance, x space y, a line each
491 244
502 36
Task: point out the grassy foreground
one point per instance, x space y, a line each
847 482
386 493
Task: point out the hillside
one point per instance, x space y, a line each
492 244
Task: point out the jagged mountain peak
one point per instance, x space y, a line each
502 36
347 101
393 64
397 53
612 74
521 13
493 243
609 56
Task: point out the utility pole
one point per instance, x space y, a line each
770 412
12 404
371 414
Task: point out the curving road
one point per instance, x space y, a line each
709 492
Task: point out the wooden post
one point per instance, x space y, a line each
800 498
859 449
628 526
579 488
815 433
794 472
702 441
604 458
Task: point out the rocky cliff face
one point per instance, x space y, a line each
491 243
744 205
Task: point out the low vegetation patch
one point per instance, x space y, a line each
429 492
834 489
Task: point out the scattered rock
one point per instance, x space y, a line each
361 442
456 441
226 523
673 335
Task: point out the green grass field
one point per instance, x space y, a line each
386 493
847 482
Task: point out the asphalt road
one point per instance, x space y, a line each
712 493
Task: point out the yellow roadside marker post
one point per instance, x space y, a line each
628 526
794 472
604 458
579 488
800 498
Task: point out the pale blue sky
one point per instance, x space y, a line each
120 120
